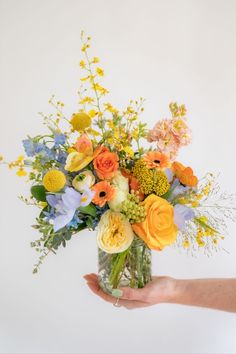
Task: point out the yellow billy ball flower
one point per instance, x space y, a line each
80 121
54 180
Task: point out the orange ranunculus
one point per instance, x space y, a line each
106 164
156 159
158 229
184 174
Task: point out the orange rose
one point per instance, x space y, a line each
158 229
106 164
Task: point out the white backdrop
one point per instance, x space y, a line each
164 51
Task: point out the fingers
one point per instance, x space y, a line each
91 276
92 282
134 294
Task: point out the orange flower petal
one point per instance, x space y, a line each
104 192
156 159
184 174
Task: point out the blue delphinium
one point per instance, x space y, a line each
59 138
75 221
32 148
61 157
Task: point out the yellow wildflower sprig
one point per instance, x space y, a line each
98 90
20 165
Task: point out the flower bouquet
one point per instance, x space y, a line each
94 170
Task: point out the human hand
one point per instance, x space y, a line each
159 290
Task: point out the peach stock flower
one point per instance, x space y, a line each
158 229
170 135
156 159
184 174
106 164
104 192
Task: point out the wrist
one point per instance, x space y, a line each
176 290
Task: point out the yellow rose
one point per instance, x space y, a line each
158 229
115 233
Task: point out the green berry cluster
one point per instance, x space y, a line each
132 209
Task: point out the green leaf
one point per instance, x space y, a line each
81 227
42 215
89 210
89 222
67 236
39 193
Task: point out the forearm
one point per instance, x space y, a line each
212 293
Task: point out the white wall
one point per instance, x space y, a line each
164 51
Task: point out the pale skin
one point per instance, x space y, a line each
213 293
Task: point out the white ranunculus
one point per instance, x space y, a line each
115 233
121 185
83 180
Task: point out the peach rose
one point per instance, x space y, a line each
158 229
106 164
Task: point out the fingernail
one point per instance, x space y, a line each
117 292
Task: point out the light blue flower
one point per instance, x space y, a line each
182 213
65 206
177 189
59 138
32 148
61 220
75 221
169 174
61 157
71 198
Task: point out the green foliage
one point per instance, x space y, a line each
51 240
89 210
39 193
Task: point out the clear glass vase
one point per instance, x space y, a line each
130 268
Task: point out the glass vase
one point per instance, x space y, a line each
130 268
